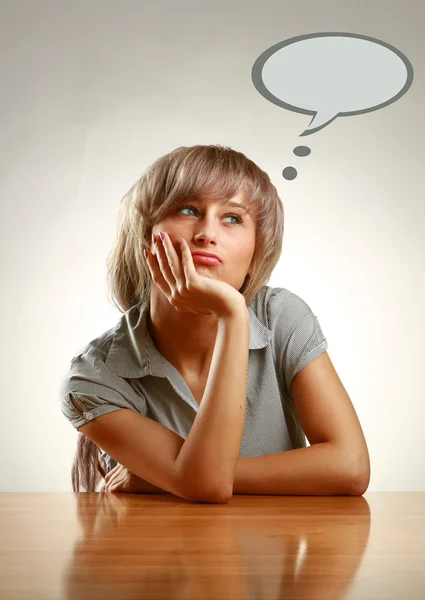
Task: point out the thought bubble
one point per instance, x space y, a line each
331 75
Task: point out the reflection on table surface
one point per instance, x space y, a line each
121 546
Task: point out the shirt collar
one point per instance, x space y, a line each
130 358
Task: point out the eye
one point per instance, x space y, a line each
238 218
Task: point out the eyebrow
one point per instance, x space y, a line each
229 203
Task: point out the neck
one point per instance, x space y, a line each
186 340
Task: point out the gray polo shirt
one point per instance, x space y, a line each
122 368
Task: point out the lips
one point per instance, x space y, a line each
207 254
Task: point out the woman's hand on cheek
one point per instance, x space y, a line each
185 288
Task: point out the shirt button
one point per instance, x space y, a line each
89 415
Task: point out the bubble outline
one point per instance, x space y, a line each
257 79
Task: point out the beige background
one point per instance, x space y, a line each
91 93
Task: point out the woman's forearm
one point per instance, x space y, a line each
321 469
207 459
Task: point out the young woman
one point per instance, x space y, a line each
211 379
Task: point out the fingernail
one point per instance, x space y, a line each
161 233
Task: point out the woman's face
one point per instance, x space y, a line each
226 230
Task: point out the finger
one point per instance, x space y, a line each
112 485
108 475
189 269
113 470
158 279
112 476
156 274
173 259
171 292
165 261
177 270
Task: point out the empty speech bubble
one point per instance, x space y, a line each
331 75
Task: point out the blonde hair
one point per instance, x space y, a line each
218 172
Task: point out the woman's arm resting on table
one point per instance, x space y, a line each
337 462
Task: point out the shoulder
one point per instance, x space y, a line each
287 306
278 307
86 371
97 347
293 320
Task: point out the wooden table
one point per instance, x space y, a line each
120 546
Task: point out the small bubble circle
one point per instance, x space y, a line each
289 173
302 151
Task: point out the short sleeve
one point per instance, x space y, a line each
93 387
305 343
298 336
